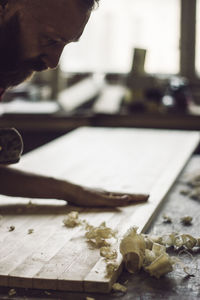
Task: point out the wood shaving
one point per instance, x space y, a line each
195 194
47 293
187 220
99 236
167 219
12 292
177 240
117 287
72 220
132 247
185 192
194 181
11 228
157 262
108 253
160 266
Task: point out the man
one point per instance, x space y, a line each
33 34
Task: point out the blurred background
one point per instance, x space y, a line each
137 64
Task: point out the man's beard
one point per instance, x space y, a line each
13 70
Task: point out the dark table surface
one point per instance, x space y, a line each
175 285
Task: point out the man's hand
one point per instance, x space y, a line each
24 184
99 198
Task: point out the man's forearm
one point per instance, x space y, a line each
17 183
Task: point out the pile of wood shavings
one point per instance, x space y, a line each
100 237
177 240
149 252
138 250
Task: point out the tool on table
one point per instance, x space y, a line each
11 146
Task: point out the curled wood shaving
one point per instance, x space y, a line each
167 219
187 220
11 228
99 236
157 262
160 266
132 247
177 240
12 292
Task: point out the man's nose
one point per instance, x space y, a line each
52 57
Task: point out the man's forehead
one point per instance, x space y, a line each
60 16
52 9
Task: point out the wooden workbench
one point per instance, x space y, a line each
62 122
175 285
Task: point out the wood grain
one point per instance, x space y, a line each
120 160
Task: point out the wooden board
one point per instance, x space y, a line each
125 160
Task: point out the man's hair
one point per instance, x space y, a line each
89 3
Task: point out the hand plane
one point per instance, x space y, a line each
11 146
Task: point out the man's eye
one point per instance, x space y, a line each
51 42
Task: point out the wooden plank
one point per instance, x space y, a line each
120 160
75 251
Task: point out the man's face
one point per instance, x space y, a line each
33 38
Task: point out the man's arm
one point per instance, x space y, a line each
18 183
